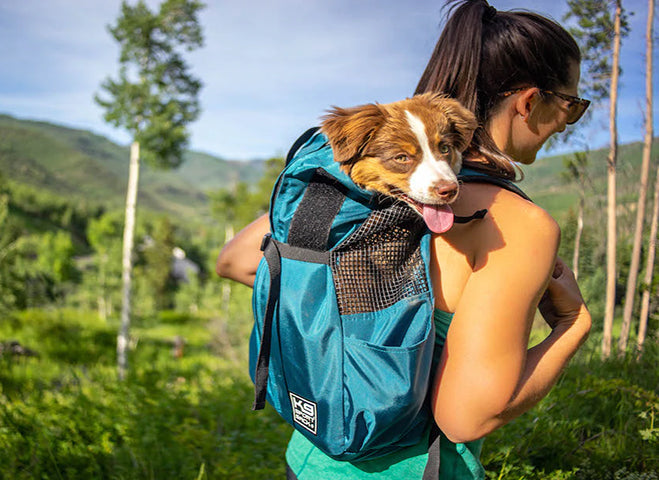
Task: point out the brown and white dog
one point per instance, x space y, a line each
410 149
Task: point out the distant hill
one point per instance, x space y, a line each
78 163
82 164
544 184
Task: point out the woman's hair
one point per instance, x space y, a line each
483 52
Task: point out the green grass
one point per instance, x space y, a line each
64 415
596 424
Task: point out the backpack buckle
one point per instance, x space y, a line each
266 239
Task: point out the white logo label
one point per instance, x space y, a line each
304 412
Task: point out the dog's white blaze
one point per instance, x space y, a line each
430 170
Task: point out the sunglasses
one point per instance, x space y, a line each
576 106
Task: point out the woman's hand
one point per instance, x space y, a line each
562 303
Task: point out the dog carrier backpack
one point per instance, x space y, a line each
343 334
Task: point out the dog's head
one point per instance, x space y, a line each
410 149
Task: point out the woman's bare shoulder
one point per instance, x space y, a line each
508 209
511 222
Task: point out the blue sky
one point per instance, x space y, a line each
270 68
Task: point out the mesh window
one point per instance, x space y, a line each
380 263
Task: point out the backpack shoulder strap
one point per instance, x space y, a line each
473 176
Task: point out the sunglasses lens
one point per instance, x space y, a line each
576 111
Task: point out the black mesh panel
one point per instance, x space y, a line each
380 263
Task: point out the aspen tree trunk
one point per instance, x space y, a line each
640 207
611 208
647 149
577 236
127 260
649 267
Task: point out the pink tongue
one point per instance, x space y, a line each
439 218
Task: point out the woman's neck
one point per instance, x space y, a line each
499 127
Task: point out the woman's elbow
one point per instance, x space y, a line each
238 267
460 430
463 419
225 265
222 267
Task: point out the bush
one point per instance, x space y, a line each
64 415
597 423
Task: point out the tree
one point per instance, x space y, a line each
11 282
640 206
103 235
55 256
154 99
611 204
599 34
236 206
576 171
649 267
158 264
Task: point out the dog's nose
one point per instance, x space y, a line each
445 191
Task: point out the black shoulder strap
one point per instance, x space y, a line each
477 215
500 182
273 258
304 138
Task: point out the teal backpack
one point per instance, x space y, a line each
343 335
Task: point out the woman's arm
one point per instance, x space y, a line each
240 257
487 376
565 311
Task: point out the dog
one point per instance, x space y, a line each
410 149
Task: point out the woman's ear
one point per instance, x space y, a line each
350 129
526 102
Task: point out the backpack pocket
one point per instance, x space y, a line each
385 374
354 385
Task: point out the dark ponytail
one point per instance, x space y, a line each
459 49
483 52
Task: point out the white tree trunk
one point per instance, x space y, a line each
577 236
127 259
611 207
640 207
649 268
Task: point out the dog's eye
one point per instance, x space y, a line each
443 148
402 158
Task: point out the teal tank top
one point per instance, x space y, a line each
458 461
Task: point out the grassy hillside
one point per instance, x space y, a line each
543 180
80 164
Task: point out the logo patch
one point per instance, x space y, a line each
304 412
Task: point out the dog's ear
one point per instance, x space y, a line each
350 129
461 119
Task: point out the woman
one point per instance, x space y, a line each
518 72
